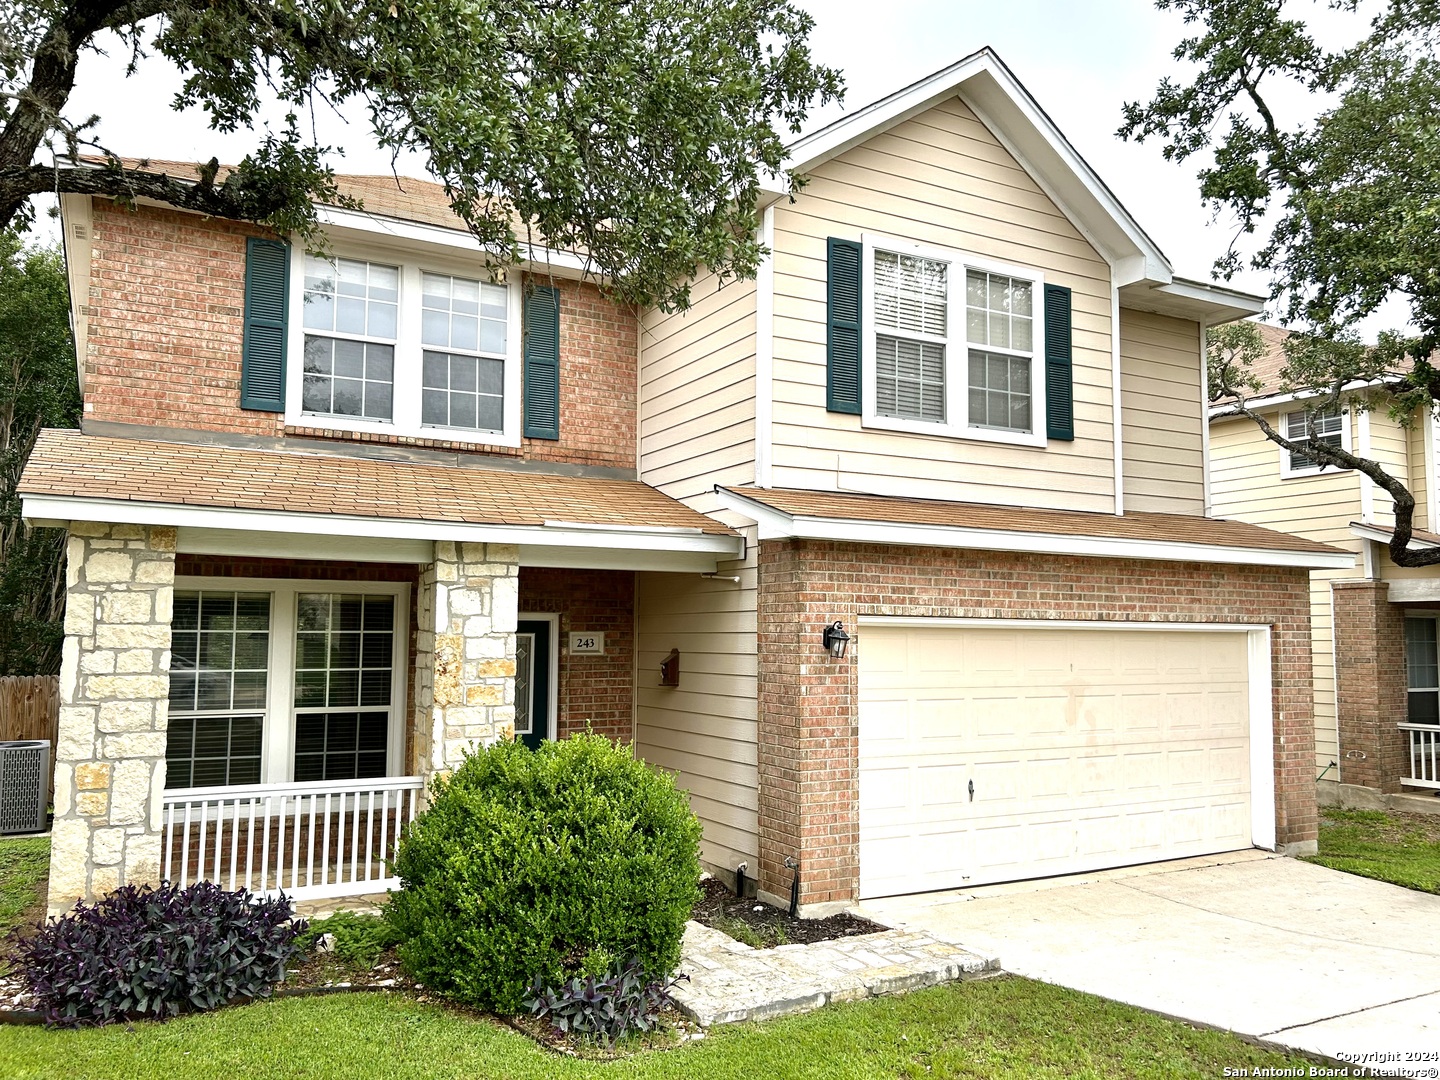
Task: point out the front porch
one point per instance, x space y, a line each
258 684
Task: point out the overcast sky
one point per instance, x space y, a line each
1081 61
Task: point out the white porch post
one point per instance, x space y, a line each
114 691
465 652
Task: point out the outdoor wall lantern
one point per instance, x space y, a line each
836 639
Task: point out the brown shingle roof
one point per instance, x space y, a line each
1415 534
1161 528
73 464
405 198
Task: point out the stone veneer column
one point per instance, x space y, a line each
1370 684
465 652
114 690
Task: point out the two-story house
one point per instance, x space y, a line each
1373 624
897 555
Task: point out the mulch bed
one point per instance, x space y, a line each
765 927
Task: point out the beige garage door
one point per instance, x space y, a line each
997 754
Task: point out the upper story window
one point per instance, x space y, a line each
1330 428
951 344
412 349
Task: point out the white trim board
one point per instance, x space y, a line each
1366 531
710 547
776 525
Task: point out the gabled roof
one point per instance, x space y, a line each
993 92
787 512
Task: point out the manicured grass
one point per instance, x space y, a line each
1403 849
1005 1027
24 867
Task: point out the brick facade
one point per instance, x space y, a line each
1370 684
594 691
165 310
808 716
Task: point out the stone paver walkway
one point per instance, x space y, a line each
730 981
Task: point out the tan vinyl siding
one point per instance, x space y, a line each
1419 475
1161 405
703 730
1389 445
1245 484
697 392
939 179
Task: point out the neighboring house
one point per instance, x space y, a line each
333 522
1373 625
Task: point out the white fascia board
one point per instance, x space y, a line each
777 525
992 90
1370 532
369 225
1271 401
1245 304
52 510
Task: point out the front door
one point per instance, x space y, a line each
532 682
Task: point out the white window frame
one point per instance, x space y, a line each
1417 616
957 347
277 760
408 370
1289 472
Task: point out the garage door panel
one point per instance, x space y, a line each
1088 749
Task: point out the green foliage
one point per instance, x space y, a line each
38 388
359 939
1351 194
604 1007
635 131
151 954
544 864
1344 203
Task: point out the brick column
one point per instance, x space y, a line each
465 652
807 733
114 688
1370 684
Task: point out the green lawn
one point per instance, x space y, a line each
1401 848
24 865
1005 1027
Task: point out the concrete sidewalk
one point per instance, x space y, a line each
1265 946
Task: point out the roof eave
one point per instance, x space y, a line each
779 524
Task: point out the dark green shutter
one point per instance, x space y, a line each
1059 377
542 362
842 332
262 350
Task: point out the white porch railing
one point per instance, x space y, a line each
1424 744
309 840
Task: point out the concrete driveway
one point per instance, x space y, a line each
1266 946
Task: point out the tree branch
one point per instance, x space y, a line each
229 200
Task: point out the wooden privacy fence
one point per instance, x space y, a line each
30 709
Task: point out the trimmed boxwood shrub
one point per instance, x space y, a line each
542 865
149 954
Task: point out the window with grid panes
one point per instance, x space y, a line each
1422 670
1329 428
952 345
465 332
344 657
219 663
999 319
351 325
